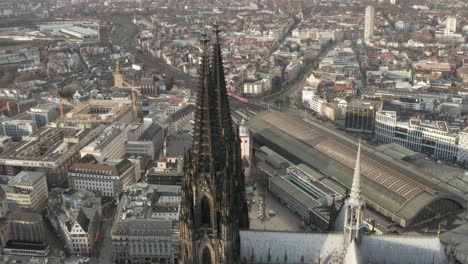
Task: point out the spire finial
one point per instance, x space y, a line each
355 195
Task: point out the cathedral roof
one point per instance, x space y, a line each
329 246
352 254
298 245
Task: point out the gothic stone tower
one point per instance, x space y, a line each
213 207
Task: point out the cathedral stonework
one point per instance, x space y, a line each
214 217
213 205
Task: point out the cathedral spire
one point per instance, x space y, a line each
219 83
354 227
206 129
355 195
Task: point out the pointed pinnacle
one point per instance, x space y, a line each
204 39
216 31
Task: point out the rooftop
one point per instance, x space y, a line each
112 168
150 132
177 143
48 146
399 191
26 178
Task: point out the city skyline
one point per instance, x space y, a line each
200 132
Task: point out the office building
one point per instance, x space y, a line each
104 31
144 224
369 22
360 116
109 145
431 138
43 114
26 226
180 120
108 178
149 144
49 150
27 190
463 145
450 25
18 128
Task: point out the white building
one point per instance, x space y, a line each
307 95
108 177
463 145
257 87
140 148
431 138
27 190
450 25
246 149
317 104
110 145
369 22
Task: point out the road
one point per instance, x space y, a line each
125 34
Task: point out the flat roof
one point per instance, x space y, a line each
295 192
150 132
15 244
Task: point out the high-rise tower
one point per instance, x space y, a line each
213 206
369 22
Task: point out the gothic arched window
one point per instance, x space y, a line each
205 211
206 257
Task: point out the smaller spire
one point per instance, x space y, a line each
355 195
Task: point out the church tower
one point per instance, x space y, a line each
354 227
213 203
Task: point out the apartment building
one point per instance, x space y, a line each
27 190
146 227
43 114
431 138
76 216
109 177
